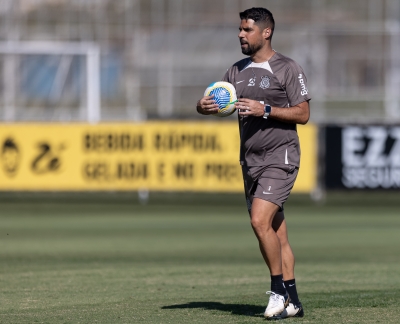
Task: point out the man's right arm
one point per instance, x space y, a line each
207 106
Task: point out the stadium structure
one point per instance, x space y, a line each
156 56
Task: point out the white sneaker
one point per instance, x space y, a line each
276 305
291 311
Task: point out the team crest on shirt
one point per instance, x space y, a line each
264 84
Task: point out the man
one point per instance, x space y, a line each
273 98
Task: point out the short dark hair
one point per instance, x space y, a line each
261 16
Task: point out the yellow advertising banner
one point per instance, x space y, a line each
182 156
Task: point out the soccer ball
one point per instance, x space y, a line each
224 95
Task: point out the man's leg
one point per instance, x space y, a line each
288 261
262 215
295 309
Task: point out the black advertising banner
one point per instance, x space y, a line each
362 157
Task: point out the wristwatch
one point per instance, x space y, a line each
267 111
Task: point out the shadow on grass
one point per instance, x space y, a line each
236 309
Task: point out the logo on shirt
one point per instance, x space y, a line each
264 84
304 89
252 82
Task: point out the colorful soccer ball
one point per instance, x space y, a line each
224 95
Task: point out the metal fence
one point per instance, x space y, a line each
155 57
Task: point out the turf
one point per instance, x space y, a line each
192 259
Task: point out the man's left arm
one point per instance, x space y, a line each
298 114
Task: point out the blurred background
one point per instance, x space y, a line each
141 61
119 203
151 59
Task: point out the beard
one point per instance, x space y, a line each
251 48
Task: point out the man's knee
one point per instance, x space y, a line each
284 241
262 215
259 222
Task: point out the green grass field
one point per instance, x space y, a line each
192 259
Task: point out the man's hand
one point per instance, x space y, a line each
207 106
247 107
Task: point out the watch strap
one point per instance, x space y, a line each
267 111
